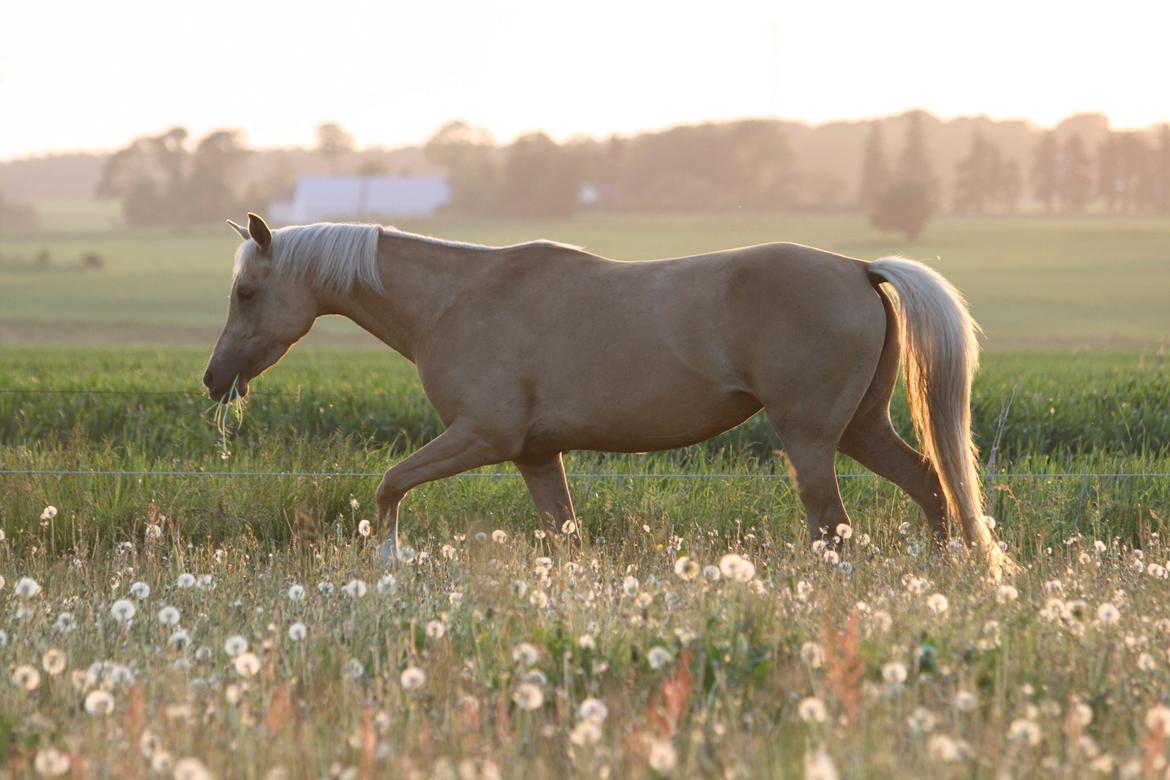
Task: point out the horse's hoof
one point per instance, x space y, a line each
388 552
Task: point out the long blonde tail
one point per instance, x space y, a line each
941 357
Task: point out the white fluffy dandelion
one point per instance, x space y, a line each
736 567
168 616
235 645
296 592
812 710
123 610
528 696
412 678
297 631
937 603
26 677
659 657
355 589
186 580
26 588
593 710
246 664
686 568
662 756
99 702
140 590
53 661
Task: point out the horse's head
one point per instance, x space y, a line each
267 313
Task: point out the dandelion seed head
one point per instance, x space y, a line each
812 710
364 527
168 616
99 702
140 590
662 756
186 580
412 678
26 588
53 661
49 513
659 657
297 631
50 762
26 677
812 654
355 589
246 664
235 645
123 610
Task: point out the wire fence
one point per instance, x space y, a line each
514 474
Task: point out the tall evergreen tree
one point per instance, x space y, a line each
914 166
1075 181
875 171
1045 171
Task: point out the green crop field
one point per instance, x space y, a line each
177 603
1032 281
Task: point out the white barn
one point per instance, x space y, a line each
320 198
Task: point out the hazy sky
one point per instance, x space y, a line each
94 73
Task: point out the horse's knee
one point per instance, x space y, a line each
388 494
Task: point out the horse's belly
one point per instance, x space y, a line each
642 425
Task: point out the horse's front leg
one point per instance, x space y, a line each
455 450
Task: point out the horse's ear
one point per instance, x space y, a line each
243 231
259 231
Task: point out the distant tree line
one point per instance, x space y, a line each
899 170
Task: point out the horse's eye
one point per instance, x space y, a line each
246 293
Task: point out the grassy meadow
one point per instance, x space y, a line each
226 615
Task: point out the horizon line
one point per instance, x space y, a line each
563 138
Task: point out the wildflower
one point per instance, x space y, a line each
354 668
937 603
663 757
844 531
436 629
406 554
49 513
353 504
593 710
1108 614
818 766
412 678
519 588
1158 720
123 610
99 702
630 585
148 743
1024 730
168 616
355 589
26 588
140 590
921 720
568 527
247 664
585 733
1081 713
711 573
387 584
51 762
364 527
26 677
965 701
658 657
235 645
538 599
448 552
179 639
846 568
524 654
499 537
191 769
53 661
1006 594
1146 662
65 623
736 567
894 672
586 642
205 582
812 654
297 631
153 531
186 580
686 568
325 588
528 696
296 592
943 748
812 710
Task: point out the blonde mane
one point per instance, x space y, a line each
331 256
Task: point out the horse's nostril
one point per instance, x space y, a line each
207 378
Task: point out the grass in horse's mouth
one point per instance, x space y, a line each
221 414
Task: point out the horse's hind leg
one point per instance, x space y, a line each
545 477
811 463
871 440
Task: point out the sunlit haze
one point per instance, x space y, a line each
92 75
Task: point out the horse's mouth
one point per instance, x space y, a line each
225 395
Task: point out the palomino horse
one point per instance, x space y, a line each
530 350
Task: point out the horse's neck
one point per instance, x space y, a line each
421 279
